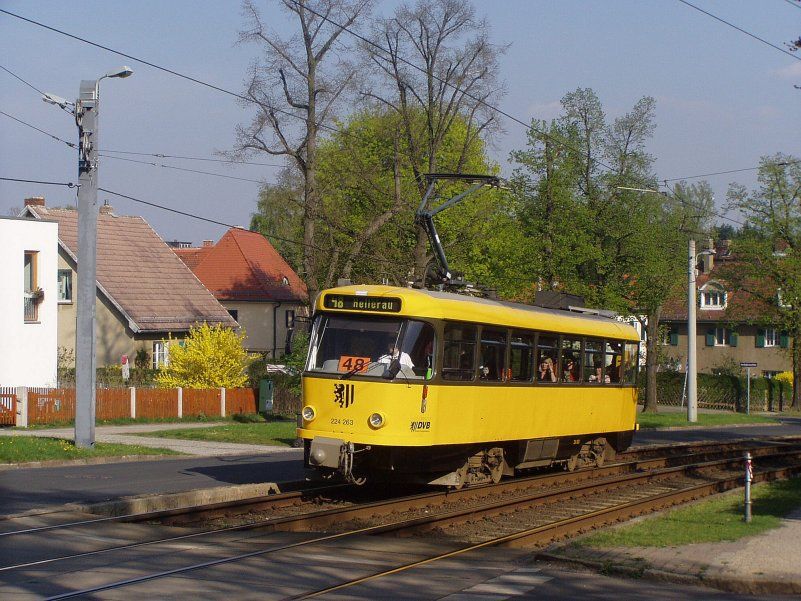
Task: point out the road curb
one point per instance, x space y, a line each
90 461
715 427
728 583
178 500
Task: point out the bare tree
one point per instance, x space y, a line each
297 84
437 64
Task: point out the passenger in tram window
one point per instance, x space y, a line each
570 373
599 376
547 371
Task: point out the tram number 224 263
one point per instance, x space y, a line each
341 422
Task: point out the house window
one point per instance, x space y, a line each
713 297
234 313
30 296
65 285
290 319
722 337
771 337
770 374
161 354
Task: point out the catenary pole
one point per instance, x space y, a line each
692 367
86 117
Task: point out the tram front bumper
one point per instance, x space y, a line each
327 452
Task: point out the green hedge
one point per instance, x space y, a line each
723 392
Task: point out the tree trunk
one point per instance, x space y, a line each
651 400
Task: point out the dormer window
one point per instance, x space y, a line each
713 297
285 281
781 302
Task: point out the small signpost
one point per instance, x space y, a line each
748 365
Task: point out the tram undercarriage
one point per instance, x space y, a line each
460 465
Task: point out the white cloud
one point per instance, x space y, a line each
792 71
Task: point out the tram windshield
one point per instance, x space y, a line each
360 345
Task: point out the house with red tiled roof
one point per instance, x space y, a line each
732 325
145 294
254 282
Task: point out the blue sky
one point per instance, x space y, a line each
722 98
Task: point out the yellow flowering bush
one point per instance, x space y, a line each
786 377
210 357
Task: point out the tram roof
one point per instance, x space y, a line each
459 307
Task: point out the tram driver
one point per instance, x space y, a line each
393 352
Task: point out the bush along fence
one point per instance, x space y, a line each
23 406
723 392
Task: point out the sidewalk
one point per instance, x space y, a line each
127 435
768 563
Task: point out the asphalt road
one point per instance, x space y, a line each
40 488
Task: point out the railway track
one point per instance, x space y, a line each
526 511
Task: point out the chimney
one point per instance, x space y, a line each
208 243
107 209
708 260
35 201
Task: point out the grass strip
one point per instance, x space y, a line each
711 521
280 433
189 419
18 449
679 419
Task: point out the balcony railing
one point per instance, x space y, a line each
31 307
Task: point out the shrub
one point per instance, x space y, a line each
210 357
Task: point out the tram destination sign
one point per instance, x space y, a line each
372 304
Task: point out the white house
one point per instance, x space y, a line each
28 302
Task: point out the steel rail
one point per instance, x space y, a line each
378 529
603 478
287 497
575 524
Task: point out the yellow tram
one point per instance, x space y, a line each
449 389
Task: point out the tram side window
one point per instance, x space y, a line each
630 363
594 368
614 361
548 359
493 355
571 359
521 356
458 360
418 346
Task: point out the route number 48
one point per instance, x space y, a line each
355 364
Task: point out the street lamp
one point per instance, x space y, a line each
86 111
692 350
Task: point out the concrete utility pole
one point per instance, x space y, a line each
87 110
86 117
692 367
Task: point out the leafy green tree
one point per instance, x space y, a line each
296 85
589 227
279 214
369 195
770 265
436 70
210 357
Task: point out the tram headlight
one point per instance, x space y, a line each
308 413
376 421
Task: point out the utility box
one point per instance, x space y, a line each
266 388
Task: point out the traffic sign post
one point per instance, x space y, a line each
748 365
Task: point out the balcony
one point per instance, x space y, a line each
31 302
